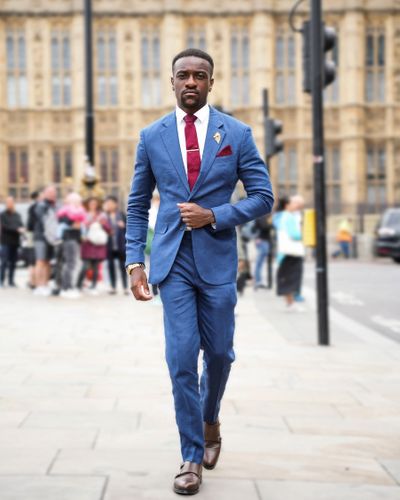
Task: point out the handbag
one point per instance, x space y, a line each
289 246
96 234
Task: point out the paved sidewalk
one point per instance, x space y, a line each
86 407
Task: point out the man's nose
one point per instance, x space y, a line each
191 82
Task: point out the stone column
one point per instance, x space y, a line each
78 95
172 41
352 69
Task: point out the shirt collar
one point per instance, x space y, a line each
202 114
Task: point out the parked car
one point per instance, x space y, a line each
387 235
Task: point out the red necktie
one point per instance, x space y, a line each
192 150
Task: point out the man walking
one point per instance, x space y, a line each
195 156
44 236
11 227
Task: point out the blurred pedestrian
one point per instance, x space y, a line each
116 243
29 242
344 237
290 252
45 238
11 228
262 230
243 263
153 212
94 243
71 216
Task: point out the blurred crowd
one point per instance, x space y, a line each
68 247
278 237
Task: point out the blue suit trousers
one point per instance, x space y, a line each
197 316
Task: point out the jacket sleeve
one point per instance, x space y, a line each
253 173
137 217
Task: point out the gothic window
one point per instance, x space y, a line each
60 69
376 176
375 65
196 37
62 172
107 69
240 67
287 171
17 85
333 178
285 68
151 76
109 170
18 173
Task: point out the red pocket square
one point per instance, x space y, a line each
225 152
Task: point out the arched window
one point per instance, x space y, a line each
151 67
60 69
107 68
285 67
375 65
240 67
17 85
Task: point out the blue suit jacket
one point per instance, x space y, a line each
159 162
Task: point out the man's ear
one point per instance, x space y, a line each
172 82
211 83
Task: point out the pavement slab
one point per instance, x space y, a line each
86 410
20 487
279 490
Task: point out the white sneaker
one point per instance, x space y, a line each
93 291
42 291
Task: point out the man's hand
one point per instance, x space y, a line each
139 285
195 216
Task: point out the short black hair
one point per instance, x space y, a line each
112 198
194 53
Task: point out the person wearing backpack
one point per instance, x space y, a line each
96 230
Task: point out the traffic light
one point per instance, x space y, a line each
329 42
328 36
273 144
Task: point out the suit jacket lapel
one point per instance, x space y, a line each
211 147
170 138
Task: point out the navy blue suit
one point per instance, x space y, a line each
196 270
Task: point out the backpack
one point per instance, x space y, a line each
50 227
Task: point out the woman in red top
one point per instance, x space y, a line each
94 242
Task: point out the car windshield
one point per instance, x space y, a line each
392 219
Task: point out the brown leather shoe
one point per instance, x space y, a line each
212 445
188 481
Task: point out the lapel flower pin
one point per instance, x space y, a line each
217 137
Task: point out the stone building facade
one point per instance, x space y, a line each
42 89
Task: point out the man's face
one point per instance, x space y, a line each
10 205
191 82
50 194
110 206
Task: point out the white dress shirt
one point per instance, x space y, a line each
201 124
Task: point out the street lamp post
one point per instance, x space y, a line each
89 117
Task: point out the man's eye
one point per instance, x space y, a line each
201 76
